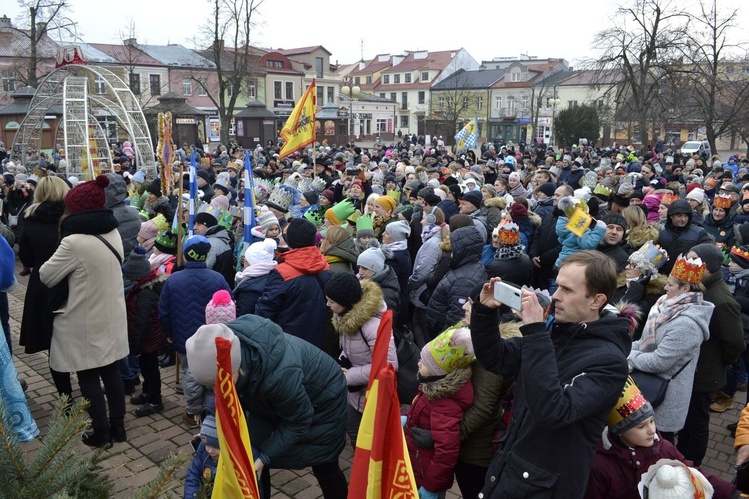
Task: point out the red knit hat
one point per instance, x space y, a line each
693 186
87 196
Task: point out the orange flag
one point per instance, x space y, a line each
299 130
382 468
235 473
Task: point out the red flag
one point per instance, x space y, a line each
235 473
382 343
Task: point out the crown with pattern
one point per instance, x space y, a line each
166 242
668 198
314 217
211 210
740 252
722 201
688 270
590 179
224 182
293 181
649 258
509 233
631 409
263 188
281 198
449 351
318 184
602 190
236 211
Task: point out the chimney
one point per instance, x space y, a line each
130 42
219 44
41 28
5 24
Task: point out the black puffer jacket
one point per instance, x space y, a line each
679 240
445 307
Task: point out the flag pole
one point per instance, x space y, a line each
249 200
193 194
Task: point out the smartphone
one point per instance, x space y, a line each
508 295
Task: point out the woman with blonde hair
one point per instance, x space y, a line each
639 230
339 249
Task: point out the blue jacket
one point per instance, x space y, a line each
248 292
183 300
203 467
294 296
572 243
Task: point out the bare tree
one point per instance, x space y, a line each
43 18
641 44
455 100
131 58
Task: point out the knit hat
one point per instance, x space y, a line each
344 289
312 197
209 432
372 259
139 177
671 479
329 195
201 352
740 255
300 233
220 309
473 197
518 210
260 252
711 255
196 249
87 196
136 266
697 194
265 221
449 351
615 219
547 188
387 203
399 230
631 409
221 202
509 241
364 227
679 206
206 219
154 187
432 199
166 242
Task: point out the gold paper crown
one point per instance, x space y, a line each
668 198
509 234
688 270
722 201
744 254
745 196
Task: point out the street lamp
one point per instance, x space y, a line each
554 103
350 91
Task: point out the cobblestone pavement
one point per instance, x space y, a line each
153 438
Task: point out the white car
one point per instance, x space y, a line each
695 147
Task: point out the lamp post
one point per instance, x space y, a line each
554 103
350 91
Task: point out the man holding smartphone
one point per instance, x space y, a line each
569 376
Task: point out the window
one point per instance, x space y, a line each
382 94
202 87
386 79
450 102
357 80
134 83
396 78
525 102
548 102
441 102
186 88
290 90
408 77
404 121
599 104
154 82
425 76
510 104
515 76
392 96
273 64
479 103
498 102
320 95
319 66
571 104
278 90
422 97
404 100
100 86
745 69
232 88
382 125
465 102
368 80
252 89
9 81
331 94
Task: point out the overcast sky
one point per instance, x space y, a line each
485 28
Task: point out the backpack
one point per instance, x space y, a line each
225 266
408 365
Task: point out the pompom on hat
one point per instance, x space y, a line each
221 309
449 351
88 196
260 252
631 409
672 479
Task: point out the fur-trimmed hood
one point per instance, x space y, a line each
653 287
535 219
447 386
370 305
638 236
497 202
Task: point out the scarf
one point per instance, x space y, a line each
258 269
397 245
430 231
509 252
157 261
663 311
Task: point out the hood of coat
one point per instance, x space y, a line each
653 287
116 190
638 236
346 250
535 219
611 327
263 347
466 246
700 314
307 260
608 445
370 305
48 212
387 278
447 386
218 232
496 202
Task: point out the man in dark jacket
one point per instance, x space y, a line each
127 216
724 346
680 235
545 246
611 244
294 296
568 379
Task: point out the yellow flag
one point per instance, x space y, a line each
299 130
579 222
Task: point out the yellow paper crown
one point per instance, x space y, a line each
668 198
722 201
602 189
688 270
630 401
740 252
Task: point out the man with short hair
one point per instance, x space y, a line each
611 244
679 235
470 204
568 379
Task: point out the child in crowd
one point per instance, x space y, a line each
202 471
571 242
630 444
445 393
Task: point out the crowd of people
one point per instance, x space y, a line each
629 263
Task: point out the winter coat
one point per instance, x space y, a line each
677 343
493 208
567 382
401 264
247 293
342 257
516 270
445 307
426 259
721 231
678 241
546 246
142 304
726 341
439 407
544 208
640 235
202 464
220 241
90 327
294 296
388 282
294 395
127 216
357 330
643 296
572 243
183 299
38 242
616 253
617 469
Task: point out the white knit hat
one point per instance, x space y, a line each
201 352
262 251
697 194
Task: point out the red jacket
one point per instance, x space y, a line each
617 470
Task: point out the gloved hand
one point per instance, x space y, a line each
425 494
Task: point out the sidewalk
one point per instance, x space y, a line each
153 438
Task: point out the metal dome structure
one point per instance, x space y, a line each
84 141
